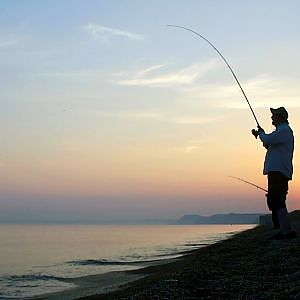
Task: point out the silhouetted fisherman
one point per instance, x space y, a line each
278 167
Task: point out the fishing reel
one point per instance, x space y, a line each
255 133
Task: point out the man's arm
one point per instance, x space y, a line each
278 136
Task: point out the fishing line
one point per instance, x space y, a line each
226 62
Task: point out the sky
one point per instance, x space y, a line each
107 114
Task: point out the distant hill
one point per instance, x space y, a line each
231 218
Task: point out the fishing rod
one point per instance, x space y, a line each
226 62
248 182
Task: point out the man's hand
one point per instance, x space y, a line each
259 129
255 133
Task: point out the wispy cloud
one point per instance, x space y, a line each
198 120
189 147
144 72
72 73
185 76
133 115
98 31
9 43
160 116
264 91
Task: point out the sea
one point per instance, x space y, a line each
37 259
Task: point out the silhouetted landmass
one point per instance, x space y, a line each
191 219
232 218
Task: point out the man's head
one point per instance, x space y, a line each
279 115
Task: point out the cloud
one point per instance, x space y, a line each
106 32
160 116
264 91
198 120
185 76
189 149
144 72
190 146
9 43
81 74
133 115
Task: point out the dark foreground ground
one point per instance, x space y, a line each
247 266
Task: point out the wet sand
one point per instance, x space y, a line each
91 285
102 283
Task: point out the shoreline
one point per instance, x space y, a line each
248 265
91 285
103 284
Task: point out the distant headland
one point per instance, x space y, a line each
230 218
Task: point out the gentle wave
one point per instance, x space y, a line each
55 275
196 244
32 277
105 262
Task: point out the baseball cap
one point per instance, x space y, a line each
280 111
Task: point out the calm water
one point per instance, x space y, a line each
34 259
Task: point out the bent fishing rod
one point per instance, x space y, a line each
250 183
226 62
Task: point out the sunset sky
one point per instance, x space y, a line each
107 114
